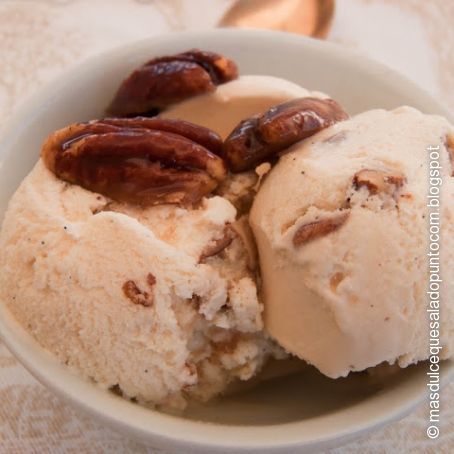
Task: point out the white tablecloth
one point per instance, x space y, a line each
40 38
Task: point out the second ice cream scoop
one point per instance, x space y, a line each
341 224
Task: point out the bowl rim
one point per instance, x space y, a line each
165 430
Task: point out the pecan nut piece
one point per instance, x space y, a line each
263 136
377 181
214 247
138 296
320 227
167 80
146 161
203 136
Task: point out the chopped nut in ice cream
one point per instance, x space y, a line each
136 295
319 227
450 148
216 246
378 180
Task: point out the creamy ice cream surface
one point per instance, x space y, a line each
123 295
342 229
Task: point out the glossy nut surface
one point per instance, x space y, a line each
170 79
263 136
141 160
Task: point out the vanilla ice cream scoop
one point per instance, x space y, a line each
342 227
158 302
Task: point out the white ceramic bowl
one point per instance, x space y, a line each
301 413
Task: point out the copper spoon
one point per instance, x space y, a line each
307 17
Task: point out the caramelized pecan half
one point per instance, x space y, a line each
263 136
146 161
167 80
320 227
378 180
